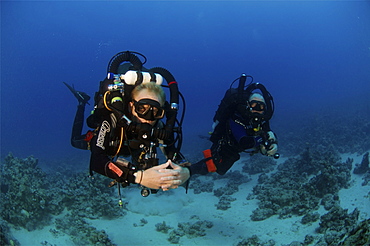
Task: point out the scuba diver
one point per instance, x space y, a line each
127 121
241 124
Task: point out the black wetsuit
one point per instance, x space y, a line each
105 144
233 134
78 140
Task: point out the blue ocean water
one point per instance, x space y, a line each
309 54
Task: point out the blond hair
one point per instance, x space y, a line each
151 87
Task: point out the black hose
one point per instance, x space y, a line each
172 84
125 56
242 80
171 113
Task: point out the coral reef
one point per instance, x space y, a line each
364 166
30 196
142 223
199 186
262 214
90 197
337 219
228 189
299 184
225 202
310 217
336 224
81 232
6 238
196 229
366 179
255 241
26 199
258 164
162 227
234 179
360 235
352 134
329 201
188 229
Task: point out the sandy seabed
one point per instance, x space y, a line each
229 226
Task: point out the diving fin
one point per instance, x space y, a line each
82 97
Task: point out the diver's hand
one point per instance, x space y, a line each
159 177
151 178
271 151
272 148
179 175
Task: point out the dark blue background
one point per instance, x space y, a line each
310 56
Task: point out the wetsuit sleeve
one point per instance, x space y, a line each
103 164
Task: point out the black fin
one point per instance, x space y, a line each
82 97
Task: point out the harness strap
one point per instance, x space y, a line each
153 78
139 78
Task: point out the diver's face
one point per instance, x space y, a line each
143 94
257 106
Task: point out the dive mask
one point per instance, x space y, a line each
148 109
257 105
